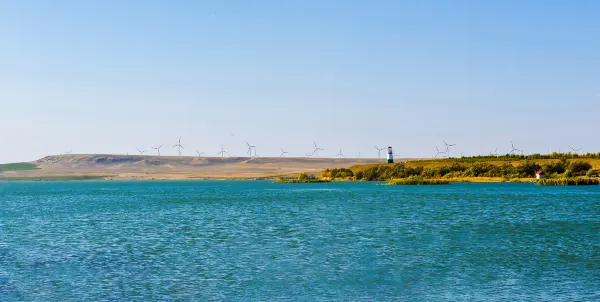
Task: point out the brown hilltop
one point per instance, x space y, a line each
182 167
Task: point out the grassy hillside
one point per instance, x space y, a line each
17 167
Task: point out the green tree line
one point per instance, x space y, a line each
525 169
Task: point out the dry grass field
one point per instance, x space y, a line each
138 167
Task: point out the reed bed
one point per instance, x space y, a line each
418 181
570 181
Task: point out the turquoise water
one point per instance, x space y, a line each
254 240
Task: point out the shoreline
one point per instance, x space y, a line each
272 178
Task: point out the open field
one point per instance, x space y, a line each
138 167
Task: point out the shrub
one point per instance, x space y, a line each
577 166
528 168
337 173
590 173
568 173
555 167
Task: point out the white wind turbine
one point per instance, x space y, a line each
141 151
179 146
379 151
575 150
223 152
250 149
448 147
340 155
512 151
199 153
438 152
317 149
157 149
283 153
496 152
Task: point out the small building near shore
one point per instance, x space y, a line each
540 174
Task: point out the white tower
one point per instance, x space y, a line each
390 155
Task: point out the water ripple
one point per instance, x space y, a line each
241 241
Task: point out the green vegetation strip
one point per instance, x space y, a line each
296 181
457 170
418 181
17 167
568 181
53 178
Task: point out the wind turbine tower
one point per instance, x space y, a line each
379 151
222 153
157 149
448 147
438 152
512 151
250 149
179 146
317 149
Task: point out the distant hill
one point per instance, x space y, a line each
140 167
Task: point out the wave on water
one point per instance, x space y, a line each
313 190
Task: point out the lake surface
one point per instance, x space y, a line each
254 240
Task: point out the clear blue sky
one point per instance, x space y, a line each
110 76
